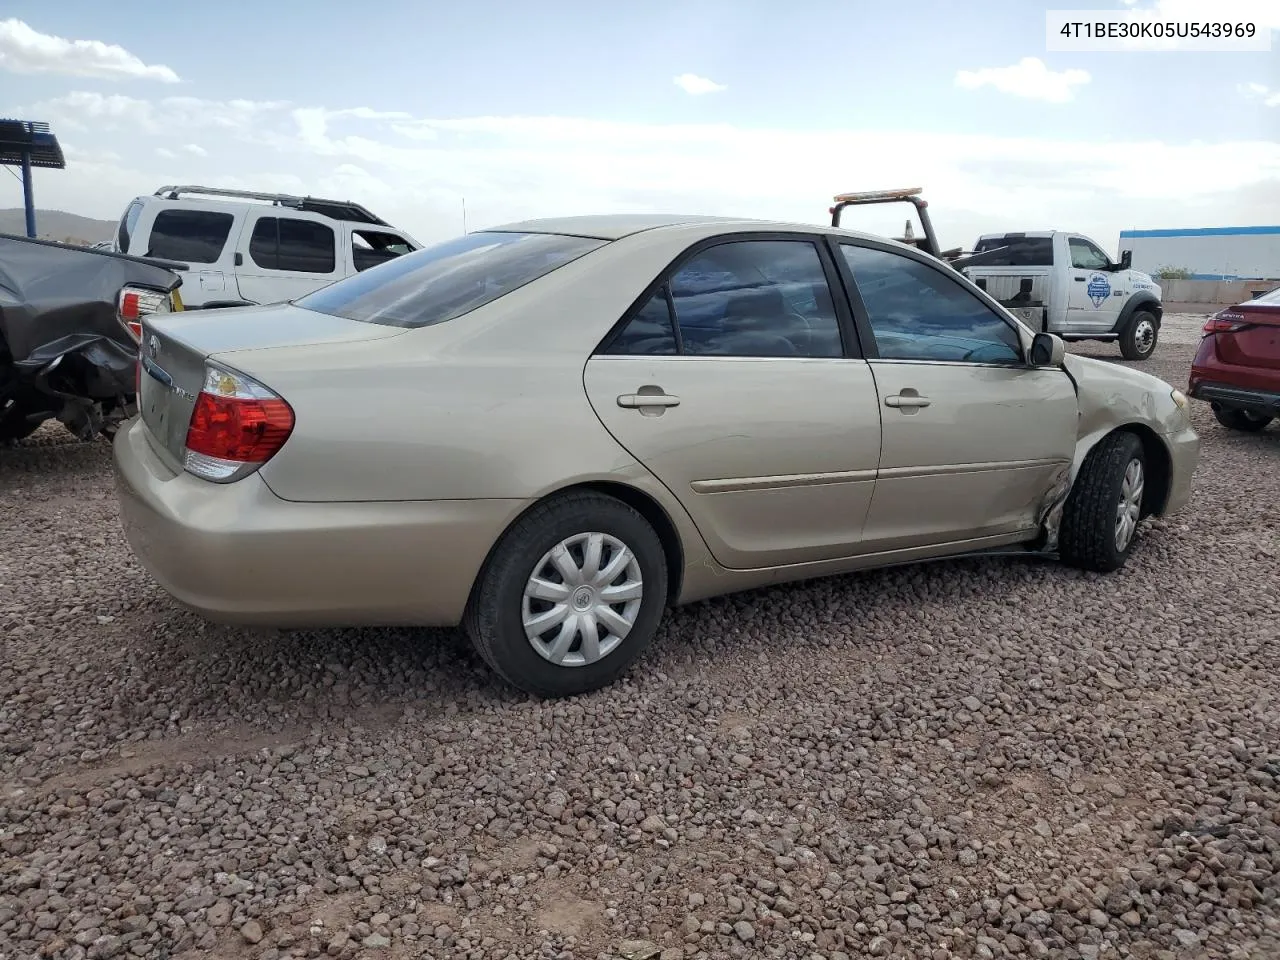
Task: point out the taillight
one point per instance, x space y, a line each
237 426
1227 322
134 303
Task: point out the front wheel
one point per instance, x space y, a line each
1243 420
1138 338
1102 511
570 597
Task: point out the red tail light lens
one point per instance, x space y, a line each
1227 322
237 423
137 302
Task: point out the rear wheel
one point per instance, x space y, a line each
1138 338
1100 519
1235 419
570 597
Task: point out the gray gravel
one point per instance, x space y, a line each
966 759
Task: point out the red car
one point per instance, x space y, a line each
1237 368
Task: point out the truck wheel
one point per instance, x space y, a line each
1138 338
1100 519
1234 419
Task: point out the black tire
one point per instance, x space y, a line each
18 428
1235 419
495 615
1138 336
1087 536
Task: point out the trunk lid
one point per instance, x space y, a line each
1257 345
175 347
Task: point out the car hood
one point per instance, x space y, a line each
1111 395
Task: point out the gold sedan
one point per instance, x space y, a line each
551 431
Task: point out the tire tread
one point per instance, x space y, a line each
1086 537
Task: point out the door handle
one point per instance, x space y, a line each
1080 279
907 401
635 401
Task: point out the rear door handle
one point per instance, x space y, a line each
906 400
634 401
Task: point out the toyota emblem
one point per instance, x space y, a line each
154 345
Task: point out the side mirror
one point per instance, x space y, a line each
1126 259
1047 350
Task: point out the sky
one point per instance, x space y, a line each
753 108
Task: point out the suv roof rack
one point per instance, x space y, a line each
334 209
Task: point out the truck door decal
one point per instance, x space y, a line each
1099 289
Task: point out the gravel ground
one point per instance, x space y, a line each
967 759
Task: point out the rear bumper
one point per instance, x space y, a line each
1265 402
237 553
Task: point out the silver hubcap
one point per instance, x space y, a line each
1145 335
582 599
1130 507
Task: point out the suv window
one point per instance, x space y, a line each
1019 252
447 280
1085 256
743 298
127 223
917 312
189 236
299 246
370 248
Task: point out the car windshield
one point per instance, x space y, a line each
1017 252
445 281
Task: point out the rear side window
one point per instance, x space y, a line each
447 280
189 236
298 246
742 298
127 223
1016 251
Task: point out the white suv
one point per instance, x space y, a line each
246 248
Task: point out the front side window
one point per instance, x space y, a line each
445 281
372 247
917 312
1085 256
189 236
743 298
298 246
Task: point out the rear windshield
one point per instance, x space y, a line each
1272 297
1020 252
447 280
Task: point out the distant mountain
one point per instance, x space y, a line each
57 225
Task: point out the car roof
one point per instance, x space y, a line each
618 225
223 203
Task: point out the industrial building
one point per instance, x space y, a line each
1207 253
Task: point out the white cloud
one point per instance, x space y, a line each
166 153
195 150
415 171
1258 91
1029 77
24 50
696 86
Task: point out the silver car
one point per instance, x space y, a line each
550 431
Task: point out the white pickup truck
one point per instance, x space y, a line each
1064 283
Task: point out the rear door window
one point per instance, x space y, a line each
292 245
449 279
1016 251
189 236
